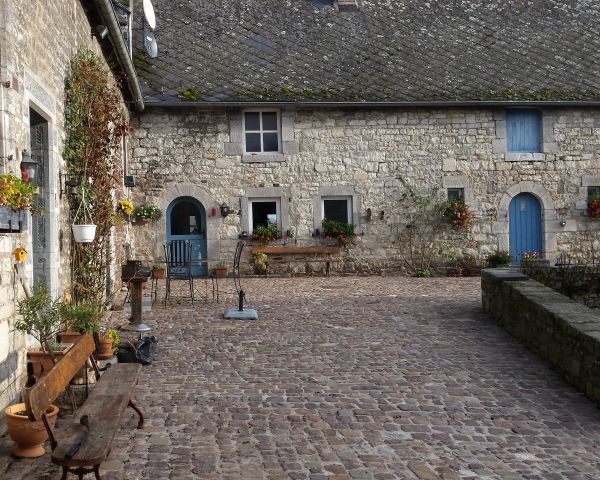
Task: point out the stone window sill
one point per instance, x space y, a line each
524 157
263 158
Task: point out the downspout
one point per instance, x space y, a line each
4 83
116 38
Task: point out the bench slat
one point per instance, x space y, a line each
104 407
49 387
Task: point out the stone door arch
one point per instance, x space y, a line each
550 222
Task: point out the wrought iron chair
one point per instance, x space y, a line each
178 261
235 273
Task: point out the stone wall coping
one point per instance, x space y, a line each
504 274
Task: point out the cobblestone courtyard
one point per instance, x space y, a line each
346 378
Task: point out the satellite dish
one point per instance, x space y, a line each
149 14
150 44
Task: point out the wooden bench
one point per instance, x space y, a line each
312 254
85 439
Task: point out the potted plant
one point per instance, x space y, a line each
16 198
158 271
79 318
265 234
260 262
469 266
457 214
341 232
145 212
220 270
109 342
125 208
40 317
29 436
500 258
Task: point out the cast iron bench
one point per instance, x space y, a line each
85 442
314 254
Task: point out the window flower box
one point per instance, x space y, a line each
13 220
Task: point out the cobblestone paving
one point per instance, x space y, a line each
346 378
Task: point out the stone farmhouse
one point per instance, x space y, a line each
303 109
313 108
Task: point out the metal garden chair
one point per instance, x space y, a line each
178 260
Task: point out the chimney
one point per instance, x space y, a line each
348 5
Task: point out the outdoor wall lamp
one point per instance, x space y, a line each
381 215
68 185
225 209
369 215
29 168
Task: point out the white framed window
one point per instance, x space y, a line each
262 131
262 211
338 208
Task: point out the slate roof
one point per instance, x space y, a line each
388 51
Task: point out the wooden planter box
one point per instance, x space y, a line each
296 250
12 221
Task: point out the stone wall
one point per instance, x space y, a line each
37 40
366 151
563 332
580 283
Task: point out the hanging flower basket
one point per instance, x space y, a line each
84 233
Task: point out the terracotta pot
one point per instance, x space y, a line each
29 436
69 336
105 349
454 272
220 271
41 361
158 273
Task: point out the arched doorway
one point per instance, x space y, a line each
525 225
186 220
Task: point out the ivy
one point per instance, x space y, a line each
95 122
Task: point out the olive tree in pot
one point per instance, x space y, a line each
40 317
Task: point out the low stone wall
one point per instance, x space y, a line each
580 283
563 332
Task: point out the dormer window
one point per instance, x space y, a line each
262 132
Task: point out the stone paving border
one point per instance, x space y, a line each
347 378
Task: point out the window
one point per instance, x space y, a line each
261 132
456 194
263 211
593 191
186 219
337 208
523 130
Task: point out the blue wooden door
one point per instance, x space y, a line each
525 225
186 220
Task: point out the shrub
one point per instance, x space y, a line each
594 207
500 257
457 214
341 232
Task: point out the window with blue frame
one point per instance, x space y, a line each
523 130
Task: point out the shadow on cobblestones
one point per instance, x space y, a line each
346 378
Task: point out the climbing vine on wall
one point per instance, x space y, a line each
95 122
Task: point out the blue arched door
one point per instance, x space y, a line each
186 220
525 225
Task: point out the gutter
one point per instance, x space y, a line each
437 104
116 39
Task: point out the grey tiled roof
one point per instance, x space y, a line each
389 51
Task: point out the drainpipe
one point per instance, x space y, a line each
110 20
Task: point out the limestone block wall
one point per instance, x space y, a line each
364 152
563 332
37 40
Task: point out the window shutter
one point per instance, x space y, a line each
523 130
